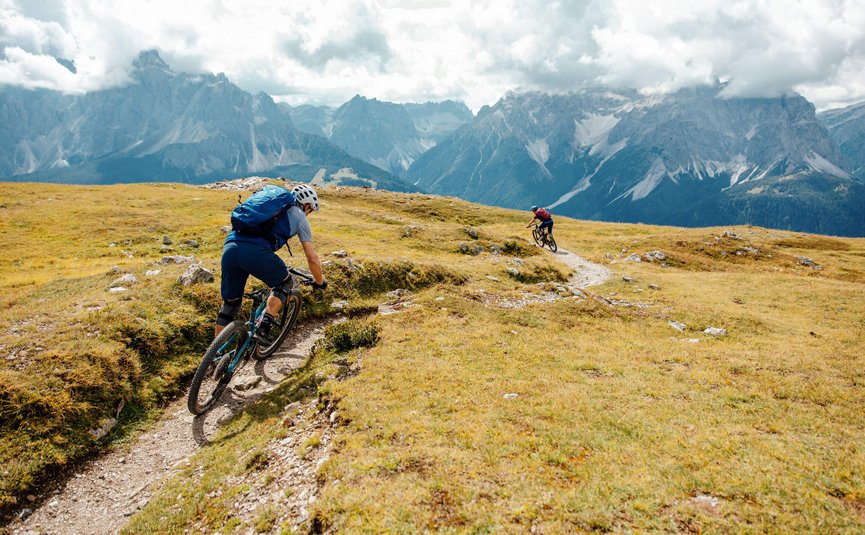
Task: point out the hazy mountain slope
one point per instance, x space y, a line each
847 128
164 126
678 159
388 135
316 120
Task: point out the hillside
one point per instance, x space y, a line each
489 397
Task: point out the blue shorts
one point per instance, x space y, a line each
548 224
242 259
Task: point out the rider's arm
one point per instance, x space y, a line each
313 261
532 221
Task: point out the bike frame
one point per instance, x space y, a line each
252 325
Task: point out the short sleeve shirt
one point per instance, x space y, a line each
292 223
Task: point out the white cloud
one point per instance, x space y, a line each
325 51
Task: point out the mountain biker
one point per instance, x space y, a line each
245 255
546 219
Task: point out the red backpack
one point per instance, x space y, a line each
543 215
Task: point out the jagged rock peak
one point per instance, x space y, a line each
150 58
360 98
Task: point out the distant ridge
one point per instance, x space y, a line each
165 126
692 158
388 135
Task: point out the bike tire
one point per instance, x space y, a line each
284 323
551 242
207 385
536 234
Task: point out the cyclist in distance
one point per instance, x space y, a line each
244 255
546 219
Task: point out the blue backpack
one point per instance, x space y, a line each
256 215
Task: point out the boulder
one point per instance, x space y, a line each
125 280
247 383
805 261
195 274
176 259
651 256
715 331
339 305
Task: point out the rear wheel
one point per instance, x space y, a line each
551 242
210 378
282 324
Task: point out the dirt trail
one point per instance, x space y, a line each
104 493
585 273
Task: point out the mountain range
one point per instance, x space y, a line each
390 136
165 126
847 129
690 158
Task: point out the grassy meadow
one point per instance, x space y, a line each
469 413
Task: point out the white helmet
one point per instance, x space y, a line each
304 194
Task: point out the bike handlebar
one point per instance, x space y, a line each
304 278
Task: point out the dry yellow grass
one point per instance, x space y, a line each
620 423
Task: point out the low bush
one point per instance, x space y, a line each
352 334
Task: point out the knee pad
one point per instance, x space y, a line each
281 292
228 311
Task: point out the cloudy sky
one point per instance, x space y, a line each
326 51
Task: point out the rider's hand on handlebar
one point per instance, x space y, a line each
317 286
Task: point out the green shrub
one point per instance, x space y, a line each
352 334
518 247
534 270
372 278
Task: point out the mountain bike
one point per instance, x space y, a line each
234 346
544 237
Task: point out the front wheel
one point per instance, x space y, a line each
210 378
551 242
282 324
536 234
